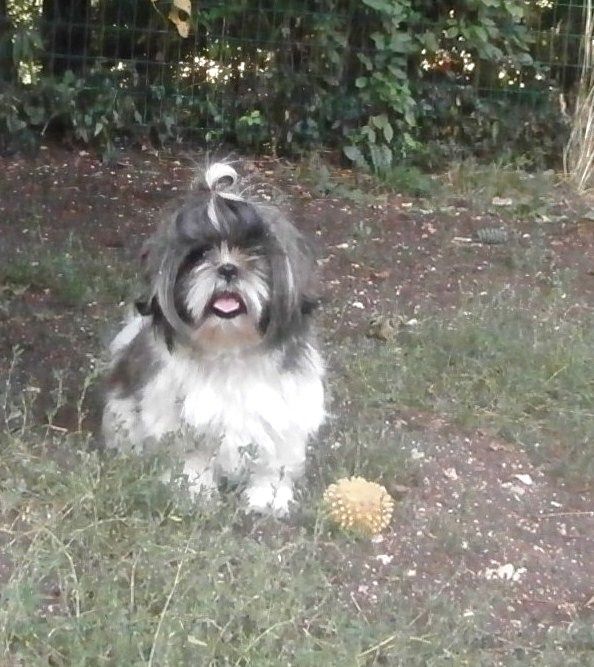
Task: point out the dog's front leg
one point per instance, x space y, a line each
199 469
272 476
270 494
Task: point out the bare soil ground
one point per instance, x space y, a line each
479 520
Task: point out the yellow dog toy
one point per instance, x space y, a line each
357 504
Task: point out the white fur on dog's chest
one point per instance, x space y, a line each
235 402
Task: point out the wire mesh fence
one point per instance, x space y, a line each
292 73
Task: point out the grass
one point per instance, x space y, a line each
410 180
505 190
103 564
74 276
363 189
518 365
501 189
108 566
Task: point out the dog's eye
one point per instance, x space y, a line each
255 255
196 255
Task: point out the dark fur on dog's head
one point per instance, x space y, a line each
226 270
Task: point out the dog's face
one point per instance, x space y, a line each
225 276
223 292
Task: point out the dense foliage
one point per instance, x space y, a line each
379 80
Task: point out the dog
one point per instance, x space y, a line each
219 365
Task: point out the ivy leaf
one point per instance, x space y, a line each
354 154
379 121
381 157
401 42
409 118
429 41
379 40
368 133
366 61
524 59
379 5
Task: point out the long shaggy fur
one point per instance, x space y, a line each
220 366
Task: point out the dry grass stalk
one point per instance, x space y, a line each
578 156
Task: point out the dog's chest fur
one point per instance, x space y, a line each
224 404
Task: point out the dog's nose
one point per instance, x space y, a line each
228 271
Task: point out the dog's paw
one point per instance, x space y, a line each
203 492
269 498
200 486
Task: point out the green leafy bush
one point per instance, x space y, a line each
378 80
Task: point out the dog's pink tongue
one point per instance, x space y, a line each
227 304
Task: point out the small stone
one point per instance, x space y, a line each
502 201
384 559
525 479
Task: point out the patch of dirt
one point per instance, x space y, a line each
46 201
482 514
484 518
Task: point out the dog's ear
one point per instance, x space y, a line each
151 308
144 253
143 308
309 304
294 288
148 306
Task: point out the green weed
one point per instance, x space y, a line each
505 190
410 180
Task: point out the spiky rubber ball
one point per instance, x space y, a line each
356 504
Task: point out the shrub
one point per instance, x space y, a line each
378 80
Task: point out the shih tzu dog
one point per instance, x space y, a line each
219 366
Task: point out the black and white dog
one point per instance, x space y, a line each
219 367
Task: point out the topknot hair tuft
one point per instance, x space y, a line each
220 176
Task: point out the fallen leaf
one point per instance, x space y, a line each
506 572
398 489
380 275
381 327
179 15
500 447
